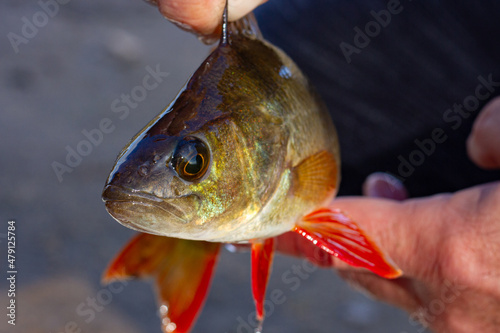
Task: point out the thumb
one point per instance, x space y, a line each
409 232
398 227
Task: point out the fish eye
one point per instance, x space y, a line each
191 158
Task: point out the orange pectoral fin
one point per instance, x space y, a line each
181 268
316 176
338 235
262 259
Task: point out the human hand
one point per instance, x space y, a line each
447 245
203 17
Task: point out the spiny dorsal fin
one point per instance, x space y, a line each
247 26
315 177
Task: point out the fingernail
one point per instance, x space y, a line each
383 185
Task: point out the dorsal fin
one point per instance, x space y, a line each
247 26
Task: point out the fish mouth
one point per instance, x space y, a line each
145 212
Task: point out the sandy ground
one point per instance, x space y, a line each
62 81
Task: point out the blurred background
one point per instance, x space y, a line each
65 67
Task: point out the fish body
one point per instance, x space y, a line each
246 152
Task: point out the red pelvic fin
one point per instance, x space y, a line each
181 268
262 259
337 234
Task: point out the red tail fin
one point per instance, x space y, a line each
338 235
182 270
262 259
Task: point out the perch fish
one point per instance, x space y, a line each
245 152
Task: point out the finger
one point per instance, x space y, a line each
383 185
203 16
483 144
400 292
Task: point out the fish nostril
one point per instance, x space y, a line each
143 170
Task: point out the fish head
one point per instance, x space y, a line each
202 168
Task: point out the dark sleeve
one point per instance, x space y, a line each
403 80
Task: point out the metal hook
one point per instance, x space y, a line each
224 37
